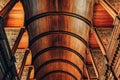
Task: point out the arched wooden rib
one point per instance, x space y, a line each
58 71
58 47
58 60
58 32
33 18
45 16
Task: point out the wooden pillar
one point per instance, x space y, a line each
58 36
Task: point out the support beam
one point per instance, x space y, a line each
99 41
109 8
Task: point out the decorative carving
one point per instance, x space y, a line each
12 34
105 35
115 4
100 61
19 55
115 61
3 3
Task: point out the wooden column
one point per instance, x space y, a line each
58 36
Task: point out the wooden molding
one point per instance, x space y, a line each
109 8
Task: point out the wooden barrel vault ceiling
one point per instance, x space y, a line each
101 19
102 23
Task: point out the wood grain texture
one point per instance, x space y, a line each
92 41
101 17
6 7
58 22
16 16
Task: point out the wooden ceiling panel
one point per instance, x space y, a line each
24 41
16 16
101 17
